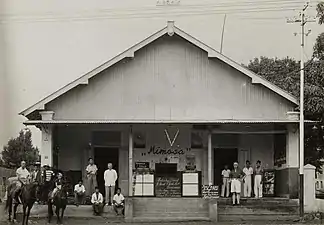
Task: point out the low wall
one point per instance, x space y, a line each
170 209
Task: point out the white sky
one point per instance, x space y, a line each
46 44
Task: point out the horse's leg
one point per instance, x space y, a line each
57 212
9 207
24 214
15 212
62 214
49 211
28 213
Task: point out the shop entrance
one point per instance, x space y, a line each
222 157
103 156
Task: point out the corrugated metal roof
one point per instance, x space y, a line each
35 122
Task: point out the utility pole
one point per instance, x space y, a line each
302 20
222 37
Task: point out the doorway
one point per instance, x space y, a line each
103 156
222 157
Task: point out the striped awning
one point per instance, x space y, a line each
36 122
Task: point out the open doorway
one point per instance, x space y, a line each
103 156
222 157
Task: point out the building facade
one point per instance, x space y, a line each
169 113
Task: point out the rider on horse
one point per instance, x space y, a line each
23 176
58 185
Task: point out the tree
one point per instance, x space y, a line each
285 74
18 149
320 12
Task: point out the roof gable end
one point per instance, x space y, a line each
170 29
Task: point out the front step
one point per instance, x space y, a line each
266 209
83 211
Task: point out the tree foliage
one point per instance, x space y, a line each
320 12
18 149
285 73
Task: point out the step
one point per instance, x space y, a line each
171 214
256 217
149 219
258 209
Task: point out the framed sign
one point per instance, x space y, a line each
139 140
168 186
210 191
142 165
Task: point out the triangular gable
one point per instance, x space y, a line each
170 29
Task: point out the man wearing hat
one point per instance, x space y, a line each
36 174
236 176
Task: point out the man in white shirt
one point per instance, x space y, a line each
97 200
23 177
248 172
79 193
91 177
110 177
226 181
119 202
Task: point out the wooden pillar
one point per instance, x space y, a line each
46 150
210 180
130 163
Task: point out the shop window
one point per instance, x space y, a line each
190 184
143 184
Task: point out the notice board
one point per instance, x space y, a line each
210 191
168 185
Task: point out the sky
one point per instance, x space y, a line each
45 44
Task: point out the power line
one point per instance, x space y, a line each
283 3
156 14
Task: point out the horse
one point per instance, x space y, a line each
28 197
59 201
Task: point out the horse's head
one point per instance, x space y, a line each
62 193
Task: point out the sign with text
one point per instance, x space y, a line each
210 191
167 2
168 186
142 165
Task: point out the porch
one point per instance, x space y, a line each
189 148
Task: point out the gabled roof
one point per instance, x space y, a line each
170 29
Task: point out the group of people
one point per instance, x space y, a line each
51 182
232 181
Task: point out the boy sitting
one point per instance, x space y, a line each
118 202
97 202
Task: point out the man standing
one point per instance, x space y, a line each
79 193
248 172
23 177
236 176
110 177
226 181
97 200
258 180
91 177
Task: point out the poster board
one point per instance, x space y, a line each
210 191
168 186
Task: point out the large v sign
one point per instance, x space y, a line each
168 137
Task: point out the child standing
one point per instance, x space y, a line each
226 181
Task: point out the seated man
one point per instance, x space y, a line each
79 193
97 202
118 202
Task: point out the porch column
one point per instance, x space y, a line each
46 150
130 163
210 181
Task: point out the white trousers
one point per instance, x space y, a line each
258 186
226 183
247 186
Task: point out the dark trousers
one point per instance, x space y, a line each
79 198
119 209
97 209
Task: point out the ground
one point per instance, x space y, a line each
104 222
